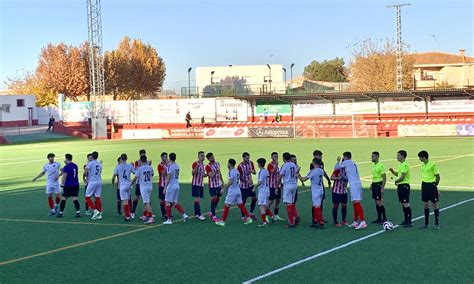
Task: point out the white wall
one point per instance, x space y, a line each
17 113
44 113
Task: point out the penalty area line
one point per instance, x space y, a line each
315 256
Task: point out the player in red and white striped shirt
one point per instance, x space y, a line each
275 191
339 196
213 170
162 168
136 165
199 173
246 169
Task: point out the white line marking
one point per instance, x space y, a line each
339 247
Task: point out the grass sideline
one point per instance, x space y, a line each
202 252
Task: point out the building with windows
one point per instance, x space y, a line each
18 110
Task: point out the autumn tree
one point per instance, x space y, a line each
374 66
133 69
327 70
30 85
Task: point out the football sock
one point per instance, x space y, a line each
77 205
213 206
405 214
315 215
168 212
197 208
119 207
379 213
344 212
244 201
319 215
361 211
226 212
90 203
62 204
334 212
58 199
276 210
409 214
269 213
98 204
384 215
312 215
243 210
264 217
253 203
126 209
289 209
427 216
436 213
134 205
356 212
149 214
179 208
162 208
51 203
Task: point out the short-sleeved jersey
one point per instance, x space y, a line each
234 179
320 166
198 177
144 175
429 170
288 172
51 171
316 177
173 173
378 170
273 171
263 179
71 172
94 168
215 181
245 171
138 163
123 171
351 170
162 170
404 168
339 186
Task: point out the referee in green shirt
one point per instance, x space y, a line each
429 188
379 178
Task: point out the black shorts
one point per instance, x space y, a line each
161 195
137 190
215 191
70 191
429 192
376 190
197 191
274 195
403 191
247 192
339 198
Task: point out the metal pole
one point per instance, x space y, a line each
291 74
270 76
189 81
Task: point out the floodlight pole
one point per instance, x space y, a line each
291 74
189 81
270 76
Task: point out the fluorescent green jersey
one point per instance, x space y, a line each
404 168
429 171
378 169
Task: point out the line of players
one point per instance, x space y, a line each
274 184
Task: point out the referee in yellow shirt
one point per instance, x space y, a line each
403 186
429 188
379 178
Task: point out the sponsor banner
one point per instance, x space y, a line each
169 111
272 109
312 108
183 133
465 129
451 106
226 132
412 106
271 132
142 134
356 108
231 110
427 130
77 111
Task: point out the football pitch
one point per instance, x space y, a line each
35 248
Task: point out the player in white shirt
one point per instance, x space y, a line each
263 193
234 195
123 172
93 173
144 178
355 184
171 190
52 171
289 182
316 175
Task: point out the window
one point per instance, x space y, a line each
20 103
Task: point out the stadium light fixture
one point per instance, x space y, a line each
291 74
212 75
284 71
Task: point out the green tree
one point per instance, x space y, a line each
327 70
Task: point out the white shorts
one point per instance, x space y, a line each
356 191
317 196
263 195
124 193
146 194
52 188
172 194
94 188
233 198
289 192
